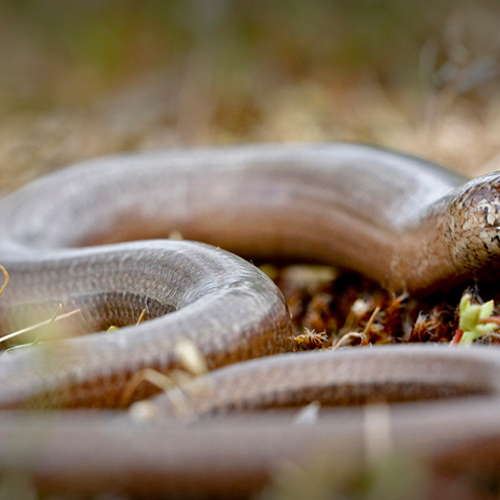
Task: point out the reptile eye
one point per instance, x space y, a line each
480 204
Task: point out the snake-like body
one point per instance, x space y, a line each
408 223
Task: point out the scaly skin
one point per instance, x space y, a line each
408 223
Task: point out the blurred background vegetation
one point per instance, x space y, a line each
81 78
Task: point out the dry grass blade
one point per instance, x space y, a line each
141 317
191 358
192 363
7 278
348 336
45 323
163 382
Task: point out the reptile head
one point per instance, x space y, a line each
474 226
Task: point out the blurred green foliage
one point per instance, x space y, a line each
111 39
347 34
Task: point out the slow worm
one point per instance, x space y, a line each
406 222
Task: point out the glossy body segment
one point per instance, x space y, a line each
319 203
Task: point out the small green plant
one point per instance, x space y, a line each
475 320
